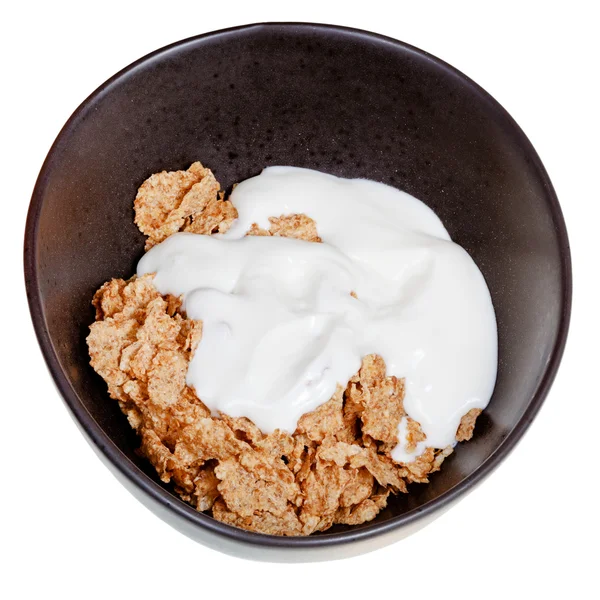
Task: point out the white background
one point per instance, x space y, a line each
68 528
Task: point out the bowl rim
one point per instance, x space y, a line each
151 488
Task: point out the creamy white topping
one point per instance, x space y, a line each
281 330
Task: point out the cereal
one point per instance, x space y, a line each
181 200
335 468
359 488
216 217
205 488
365 511
382 401
327 419
300 227
250 483
261 522
321 492
467 425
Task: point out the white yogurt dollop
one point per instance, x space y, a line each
281 330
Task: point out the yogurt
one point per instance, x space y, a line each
281 329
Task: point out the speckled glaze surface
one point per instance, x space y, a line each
343 101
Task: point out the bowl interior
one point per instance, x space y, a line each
341 101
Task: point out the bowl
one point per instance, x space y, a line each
339 100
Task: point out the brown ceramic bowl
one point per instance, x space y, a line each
339 100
